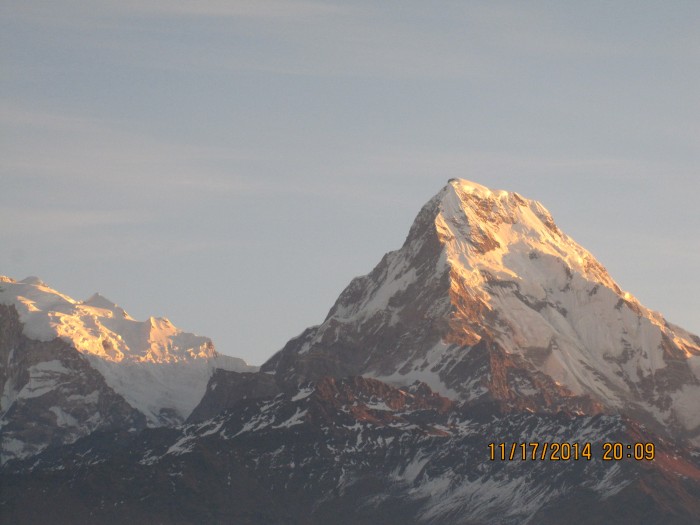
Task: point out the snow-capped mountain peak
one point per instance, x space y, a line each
156 367
99 301
496 237
99 327
490 231
488 298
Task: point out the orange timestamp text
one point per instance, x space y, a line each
545 451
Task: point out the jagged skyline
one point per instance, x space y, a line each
226 164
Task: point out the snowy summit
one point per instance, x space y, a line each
156 367
489 299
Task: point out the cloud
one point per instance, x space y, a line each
88 156
237 8
78 12
76 147
466 40
472 40
485 163
84 159
20 221
281 36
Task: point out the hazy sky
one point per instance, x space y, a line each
232 165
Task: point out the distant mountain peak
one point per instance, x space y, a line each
99 301
32 279
153 364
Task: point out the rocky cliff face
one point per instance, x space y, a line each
226 389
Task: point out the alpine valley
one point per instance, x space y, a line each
488 326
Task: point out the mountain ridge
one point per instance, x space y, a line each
357 451
62 359
484 266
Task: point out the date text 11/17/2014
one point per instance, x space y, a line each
536 451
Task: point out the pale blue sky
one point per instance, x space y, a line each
233 164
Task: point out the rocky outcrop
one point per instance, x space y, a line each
225 389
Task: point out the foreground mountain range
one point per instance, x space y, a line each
426 396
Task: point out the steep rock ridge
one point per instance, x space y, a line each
156 367
398 310
488 299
